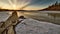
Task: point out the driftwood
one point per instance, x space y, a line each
7 27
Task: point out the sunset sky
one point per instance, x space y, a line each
26 4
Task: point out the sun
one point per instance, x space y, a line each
14 7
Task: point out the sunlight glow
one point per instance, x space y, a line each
15 4
14 7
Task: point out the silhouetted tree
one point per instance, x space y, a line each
56 3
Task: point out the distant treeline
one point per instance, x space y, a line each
54 7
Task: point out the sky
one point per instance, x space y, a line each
26 4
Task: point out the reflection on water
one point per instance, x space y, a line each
41 15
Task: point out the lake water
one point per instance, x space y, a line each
38 15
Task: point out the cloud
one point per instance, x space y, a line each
29 3
41 2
